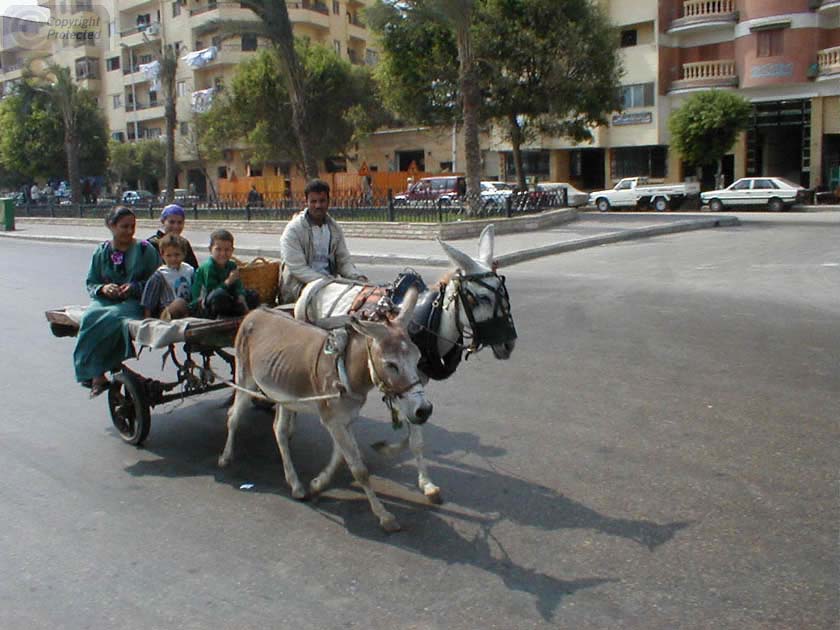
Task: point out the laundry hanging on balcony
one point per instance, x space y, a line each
152 72
200 58
202 100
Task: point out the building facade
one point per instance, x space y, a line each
113 47
781 55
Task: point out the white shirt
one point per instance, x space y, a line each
179 280
321 242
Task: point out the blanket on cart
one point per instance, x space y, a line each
150 333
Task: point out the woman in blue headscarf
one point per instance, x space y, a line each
172 220
118 273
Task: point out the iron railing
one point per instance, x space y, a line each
342 208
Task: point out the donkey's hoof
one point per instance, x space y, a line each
389 523
299 492
317 485
224 462
432 494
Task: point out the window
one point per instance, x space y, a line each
145 59
222 172
216 41
639 162
637 95
337 46
742 184
534 163
764 184
218 84
178 47
336 7
254 171
87 68
185 128
153 98
116 101
112 64
770 42
176 8
249 42
628 38
181 88
153 132
119 136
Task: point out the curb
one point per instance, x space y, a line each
506 260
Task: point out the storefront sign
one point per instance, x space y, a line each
636 118
770 70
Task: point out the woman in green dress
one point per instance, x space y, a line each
118 272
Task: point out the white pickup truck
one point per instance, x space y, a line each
635 191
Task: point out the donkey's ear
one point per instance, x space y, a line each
462 261
486 243
407 307
374 330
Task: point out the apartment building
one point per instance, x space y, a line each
113 46
782 55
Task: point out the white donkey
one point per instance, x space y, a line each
467 309
305 368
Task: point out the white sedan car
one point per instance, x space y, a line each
774 192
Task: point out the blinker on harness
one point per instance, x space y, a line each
499 328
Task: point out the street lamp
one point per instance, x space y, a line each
133 91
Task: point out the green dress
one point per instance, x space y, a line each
104 341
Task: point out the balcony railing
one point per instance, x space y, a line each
698 14
320 7
719 73
829 60
707 8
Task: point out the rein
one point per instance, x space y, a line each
389 395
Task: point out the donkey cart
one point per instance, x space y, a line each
190 343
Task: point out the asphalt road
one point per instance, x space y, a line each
660 452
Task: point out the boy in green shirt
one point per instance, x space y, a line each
217 290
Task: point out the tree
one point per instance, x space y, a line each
548 67
705 127
143 160
539 66
52 128
73 104
257 108
168 68
276 27
457 19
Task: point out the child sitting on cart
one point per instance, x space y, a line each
169 290
172 219
217 290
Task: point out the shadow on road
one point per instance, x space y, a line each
189 446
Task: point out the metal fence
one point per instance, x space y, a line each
343 208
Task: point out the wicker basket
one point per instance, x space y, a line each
261 275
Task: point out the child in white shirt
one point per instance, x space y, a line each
169 290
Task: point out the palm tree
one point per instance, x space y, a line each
55 81
276 27
168 67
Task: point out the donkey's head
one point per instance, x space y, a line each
484 297
392 361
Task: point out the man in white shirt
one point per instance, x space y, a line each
313 246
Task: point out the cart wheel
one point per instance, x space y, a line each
129 408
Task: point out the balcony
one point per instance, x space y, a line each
208 18
828 61
131 5
705 75
314 14
144 111
140 34
705 15
15 71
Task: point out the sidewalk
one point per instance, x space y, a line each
589 230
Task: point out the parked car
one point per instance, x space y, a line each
443 190
137 197
574 197
494 195
635 191
182 195
776 193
